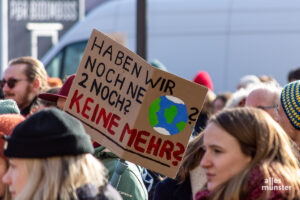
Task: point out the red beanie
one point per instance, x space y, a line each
204 79
7 124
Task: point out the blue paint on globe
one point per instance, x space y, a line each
168 115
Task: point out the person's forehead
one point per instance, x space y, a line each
215 135
260 97
13 71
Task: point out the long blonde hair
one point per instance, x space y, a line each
59 177
269 146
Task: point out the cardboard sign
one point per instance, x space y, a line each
142 114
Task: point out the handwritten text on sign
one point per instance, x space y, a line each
142 114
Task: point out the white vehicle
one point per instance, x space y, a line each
226 38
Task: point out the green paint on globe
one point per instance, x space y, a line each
170 114
153 109
180 126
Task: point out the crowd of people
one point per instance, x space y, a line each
245 144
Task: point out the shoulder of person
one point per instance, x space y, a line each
173 189
132 183
103 153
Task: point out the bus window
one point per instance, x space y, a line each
72 57
53 68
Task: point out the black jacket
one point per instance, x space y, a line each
170 189
30 107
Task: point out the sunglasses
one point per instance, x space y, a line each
11 83
267 107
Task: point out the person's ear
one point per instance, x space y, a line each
36 85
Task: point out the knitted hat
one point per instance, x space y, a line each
9 106
47 133
54 82
156 63
204 79
290 101
7 124
63 92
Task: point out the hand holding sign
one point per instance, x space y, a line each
140 113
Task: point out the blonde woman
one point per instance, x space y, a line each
248 156
50 158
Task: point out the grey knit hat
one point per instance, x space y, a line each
9 106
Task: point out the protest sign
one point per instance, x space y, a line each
142 114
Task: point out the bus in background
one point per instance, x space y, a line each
227 38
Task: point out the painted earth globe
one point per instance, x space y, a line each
168 115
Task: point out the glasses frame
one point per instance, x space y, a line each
11 82
268 107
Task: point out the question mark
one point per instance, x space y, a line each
126 108
195 112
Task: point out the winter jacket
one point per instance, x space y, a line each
170 189
131 185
